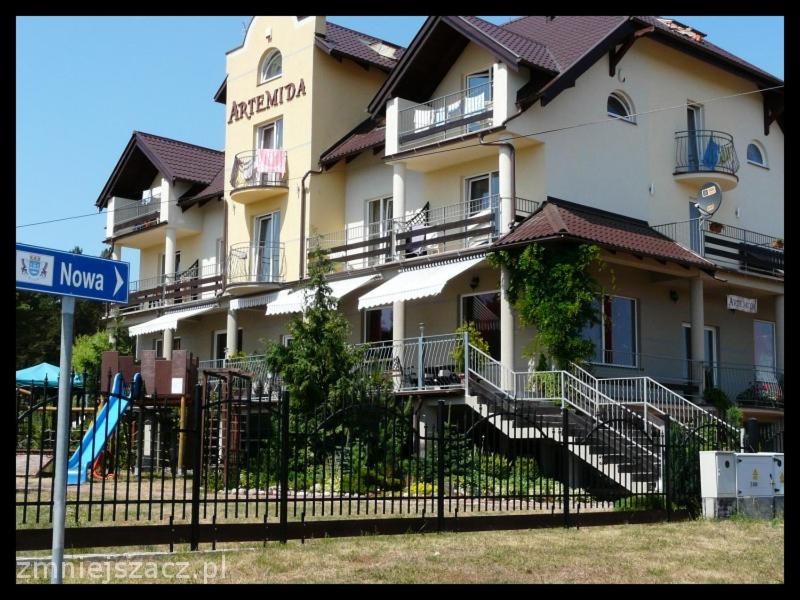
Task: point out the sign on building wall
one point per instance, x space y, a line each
264 101
749 305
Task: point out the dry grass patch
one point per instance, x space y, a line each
692 552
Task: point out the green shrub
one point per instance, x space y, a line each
475 339
421 489
716 398
637 503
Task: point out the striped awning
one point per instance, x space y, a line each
416 283
168 321
294 301
251 301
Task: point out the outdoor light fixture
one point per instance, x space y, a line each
474 282
673 295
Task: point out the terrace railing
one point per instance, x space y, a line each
445 117
250 262
248 173
195 283
728 246
703 151
132 214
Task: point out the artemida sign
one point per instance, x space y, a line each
266 100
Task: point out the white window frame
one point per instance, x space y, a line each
465 188
774 366
627 104
461 302
217 332
636 352
764 163
156 341
275 124
714 359
364 321
268 56
162 263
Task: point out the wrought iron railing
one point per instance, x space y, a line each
447 116
728 245
256 263
435 230
248 171
254 365
703 151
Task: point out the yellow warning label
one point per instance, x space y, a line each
755 475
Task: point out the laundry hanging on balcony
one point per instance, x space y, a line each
711 156
269 160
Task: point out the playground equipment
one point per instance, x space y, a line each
96 438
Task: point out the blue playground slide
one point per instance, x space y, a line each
96 437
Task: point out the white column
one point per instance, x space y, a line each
169 259
398 333
398 199
506 185
698 331
231 333
167 349
399 307
779 326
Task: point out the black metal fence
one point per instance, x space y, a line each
244 462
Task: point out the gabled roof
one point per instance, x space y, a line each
147 154
213 190
367 134
360 47
560 219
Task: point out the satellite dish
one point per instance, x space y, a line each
709 199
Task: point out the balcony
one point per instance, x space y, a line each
705 155
135 215
253 179
256 264
728 246
432 231
195 283
446 117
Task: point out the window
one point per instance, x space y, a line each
764 344
479 95
379 224
755 155
269 136
484 310
378 324
711 352
267 257
221 342
158 346
479 191
615 336
618 105
162 269
271 66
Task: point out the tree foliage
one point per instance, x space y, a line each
319 365
552 289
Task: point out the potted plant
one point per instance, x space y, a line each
475 340
777 244
715 227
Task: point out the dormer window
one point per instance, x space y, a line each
756 155
619 106
271 66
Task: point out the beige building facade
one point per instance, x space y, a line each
408 164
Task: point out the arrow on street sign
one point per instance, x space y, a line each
67 274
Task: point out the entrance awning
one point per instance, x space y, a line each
251 301
416 283
167 321
294 301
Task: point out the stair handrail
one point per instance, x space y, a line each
503 373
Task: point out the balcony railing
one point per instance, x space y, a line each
430 231
743 384
256 263
705 151
249 172
728 246
446 117
130 215
195 283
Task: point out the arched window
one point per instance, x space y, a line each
271 66
620 106
756 155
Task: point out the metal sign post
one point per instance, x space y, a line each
67 275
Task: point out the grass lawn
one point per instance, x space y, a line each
736 551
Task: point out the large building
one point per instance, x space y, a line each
408 164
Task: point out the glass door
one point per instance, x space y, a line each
693 125
478 97
379 223
764 346
270 137
484 311
479 192
695 230
267 251
712 356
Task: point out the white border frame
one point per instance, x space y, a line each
636 351
364 321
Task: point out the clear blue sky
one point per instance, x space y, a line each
83 84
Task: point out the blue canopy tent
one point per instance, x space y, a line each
35 376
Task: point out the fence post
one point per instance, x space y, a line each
197 466
440 465
420 361
753 435
565 460
283 467
466 363
666 467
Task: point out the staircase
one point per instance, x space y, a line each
617 442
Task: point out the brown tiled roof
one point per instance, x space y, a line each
179 160
356 45
527 49
561 219
366 135
214 189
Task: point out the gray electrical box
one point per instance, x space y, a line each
754 473
777 473
717 474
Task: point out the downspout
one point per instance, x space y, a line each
303 220
510 146
224 246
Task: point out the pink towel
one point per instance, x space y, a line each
270 161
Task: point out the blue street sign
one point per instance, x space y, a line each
66 274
